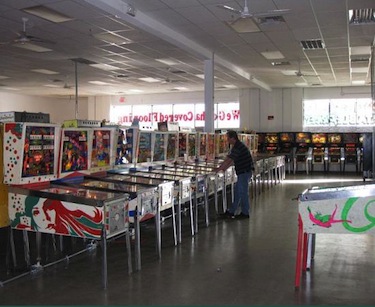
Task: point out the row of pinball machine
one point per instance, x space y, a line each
95 183
307 151
99 182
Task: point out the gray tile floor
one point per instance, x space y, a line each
232 262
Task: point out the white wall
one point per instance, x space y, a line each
285 105
59 109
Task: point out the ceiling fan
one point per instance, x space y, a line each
24 38
167 80
299 73
245 13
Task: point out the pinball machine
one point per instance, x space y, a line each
210 147
182 190
221 145
182 145
367 154
38 207
286 147
351 152
144 148
245 138
254 144
172 146
336 155
261 142
202 146
192 150
126 146
319 152
271 143
159 147
29 156
303 154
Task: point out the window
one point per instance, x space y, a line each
227 115
337 113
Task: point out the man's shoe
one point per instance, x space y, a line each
227 214
243 216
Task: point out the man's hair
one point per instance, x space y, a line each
232 134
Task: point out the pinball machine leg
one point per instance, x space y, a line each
158 231
309 251
12 247
128 251
174 223
298 268
305 246
206 206
195 207
104 259
26 247
38 265
216 197
191 213
137 247
224 193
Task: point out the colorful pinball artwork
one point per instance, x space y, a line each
101 145
54 216
29 153
75 148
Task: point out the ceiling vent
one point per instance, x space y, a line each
121 76
270 20
312 44
178 72
361 16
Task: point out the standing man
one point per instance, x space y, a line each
240 156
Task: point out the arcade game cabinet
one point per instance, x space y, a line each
303 155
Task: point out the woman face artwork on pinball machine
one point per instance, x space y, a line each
58 217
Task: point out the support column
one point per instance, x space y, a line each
209 94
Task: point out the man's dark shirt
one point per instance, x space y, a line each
241 156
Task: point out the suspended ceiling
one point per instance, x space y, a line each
158 46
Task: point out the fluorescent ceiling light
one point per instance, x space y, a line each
113 38
3 77
229 86
359 70
301 84
169 62
358 82
32 47
47 13
10 88
360 50
98 83
280 63
51 85
202 76
288 72
244 25
149 79
45 71
134 91
105 67
272 55
180 88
